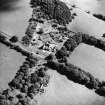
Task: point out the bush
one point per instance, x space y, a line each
40 31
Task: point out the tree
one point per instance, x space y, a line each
78 38
4 102
103 35
14 39
93 41
85 38
26 40
101 91
99 16
61 53
24 101
15 83
2 97
24 89
34 77
74 14
70 44
41 72
2 38
18 103
49 57
32 62
88 12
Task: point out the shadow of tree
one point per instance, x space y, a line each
8 5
